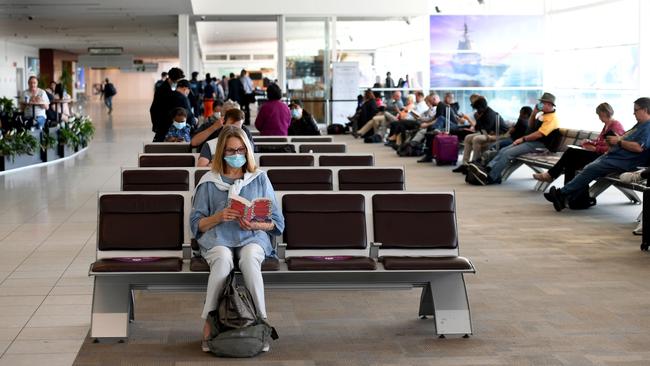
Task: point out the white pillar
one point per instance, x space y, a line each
644 50
184 43
282 62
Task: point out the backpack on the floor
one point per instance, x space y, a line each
236 328
411 148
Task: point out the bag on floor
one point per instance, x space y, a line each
337 129
445 146
236 329
581 201
411 148
374 139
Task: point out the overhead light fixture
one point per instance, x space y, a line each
105 50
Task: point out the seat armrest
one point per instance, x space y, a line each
374 250
282 249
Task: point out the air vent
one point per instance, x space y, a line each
263 57
216 57
239 57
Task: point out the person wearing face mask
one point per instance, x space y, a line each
302 123
212 127
234 117
223 235
162 104
179 131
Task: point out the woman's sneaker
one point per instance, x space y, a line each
631 177
639 229
266 348
204 346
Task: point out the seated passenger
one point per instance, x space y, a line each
575 158
213 123
625 154
223 235
545 124
34 103
179 131
477 142
518 130
302 123
234 117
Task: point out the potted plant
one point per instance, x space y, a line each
68 138
18 149
86 130
49 144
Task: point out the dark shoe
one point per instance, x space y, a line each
480 174
355 135
559 201
461 169
426 159
549 195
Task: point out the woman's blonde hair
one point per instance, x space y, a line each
218 163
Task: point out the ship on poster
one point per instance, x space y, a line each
481 51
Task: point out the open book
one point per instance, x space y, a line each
258 209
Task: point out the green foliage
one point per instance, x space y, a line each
7 107
79 129
18 143
48 141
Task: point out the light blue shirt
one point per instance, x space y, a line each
208 200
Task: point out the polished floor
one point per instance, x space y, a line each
551 289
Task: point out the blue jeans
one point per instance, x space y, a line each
503 142
109 102
508 153
596 169
40 121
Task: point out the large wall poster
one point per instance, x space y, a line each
486 51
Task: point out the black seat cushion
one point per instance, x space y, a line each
322 148
426 263
301 179
287 160
346 160
199 264
167 148
371 179
155 180
167 161
138 264
331 263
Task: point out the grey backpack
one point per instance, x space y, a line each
236 329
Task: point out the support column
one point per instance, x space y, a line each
282 62
644 51
184 43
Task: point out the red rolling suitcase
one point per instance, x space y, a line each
445 146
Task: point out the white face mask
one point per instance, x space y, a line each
217 115
180 124
173 86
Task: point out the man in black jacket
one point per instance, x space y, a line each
235 89
181 98
160 106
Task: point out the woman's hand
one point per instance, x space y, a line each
228 214
254 225
613 140
588 145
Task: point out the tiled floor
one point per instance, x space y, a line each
551 289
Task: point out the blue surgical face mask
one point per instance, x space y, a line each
180 125
296 113
235 161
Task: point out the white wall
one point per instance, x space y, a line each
371 8
13 56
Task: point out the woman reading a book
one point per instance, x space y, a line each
224 225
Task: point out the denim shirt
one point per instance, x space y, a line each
208 200
629 160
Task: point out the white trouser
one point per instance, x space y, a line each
220 259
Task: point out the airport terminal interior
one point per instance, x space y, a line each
542 287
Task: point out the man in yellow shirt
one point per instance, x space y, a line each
545 126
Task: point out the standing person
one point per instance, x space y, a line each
390 83
180 99
274 117
196 95
626 153
218 90
224 85
574 159
249 96
223 235
235 89
159 110
163 78
35 102
109 91
208 95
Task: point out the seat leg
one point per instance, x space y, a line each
645 236
132 306
426 302
630 194
451 306
110 309
599 187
